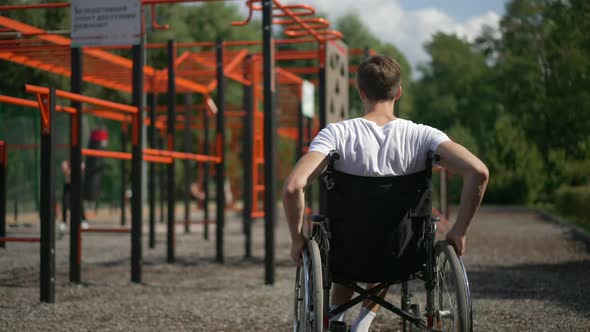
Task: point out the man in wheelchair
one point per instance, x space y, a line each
378 227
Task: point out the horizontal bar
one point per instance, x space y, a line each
239 43
107 154
257 214
20 239
32 104
82 99
125 156
106 230
157 159
183 155
35 6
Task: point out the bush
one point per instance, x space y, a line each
573 201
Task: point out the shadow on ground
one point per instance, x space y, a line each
566 284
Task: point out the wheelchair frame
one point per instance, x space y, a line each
320 237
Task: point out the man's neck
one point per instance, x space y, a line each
380 112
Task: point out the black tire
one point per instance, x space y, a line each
451 294
298 305
309 292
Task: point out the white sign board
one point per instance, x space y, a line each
307 99
106 22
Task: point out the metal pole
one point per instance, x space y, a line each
309 193
3 166
206 167
152 101
248 159
75 167
170 229
299 148
220 167
162 181
47 247
137 163
323 111
123 175
444 203
270 139
188 101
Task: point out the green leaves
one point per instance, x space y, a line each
523 98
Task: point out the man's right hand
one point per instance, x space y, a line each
297 246
457 240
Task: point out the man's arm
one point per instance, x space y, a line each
459 160
305 172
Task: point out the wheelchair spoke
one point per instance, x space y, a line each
447 310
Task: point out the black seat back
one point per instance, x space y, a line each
377 225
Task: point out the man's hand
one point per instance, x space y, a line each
297 246
457 240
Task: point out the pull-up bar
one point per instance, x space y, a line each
82 99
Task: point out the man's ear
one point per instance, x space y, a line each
399 94
362 94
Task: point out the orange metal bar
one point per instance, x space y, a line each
35 6
235 62
82 99
183 155
110 115
32 104
300 10
3 153
182 58
157 159
296 55
124 156
155 24
20 239
289 76
302 70
43 104
287 11
107 154
67 4
248 18
106 230
231 43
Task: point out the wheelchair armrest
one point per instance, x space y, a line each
318 218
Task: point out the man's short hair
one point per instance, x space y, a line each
379 78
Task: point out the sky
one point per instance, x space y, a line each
408 24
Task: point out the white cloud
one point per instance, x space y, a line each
408 30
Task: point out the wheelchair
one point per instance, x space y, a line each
380 230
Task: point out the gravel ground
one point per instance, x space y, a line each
526 274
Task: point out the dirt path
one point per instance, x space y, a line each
526 274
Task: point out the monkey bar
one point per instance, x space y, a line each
52 53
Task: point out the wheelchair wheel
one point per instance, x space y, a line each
451 294
309 292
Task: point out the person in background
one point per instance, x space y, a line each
66 196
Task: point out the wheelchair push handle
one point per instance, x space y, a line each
433 157
334 155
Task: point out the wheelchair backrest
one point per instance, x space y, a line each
377 223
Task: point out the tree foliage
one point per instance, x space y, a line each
522 99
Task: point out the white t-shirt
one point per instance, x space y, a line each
366 149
